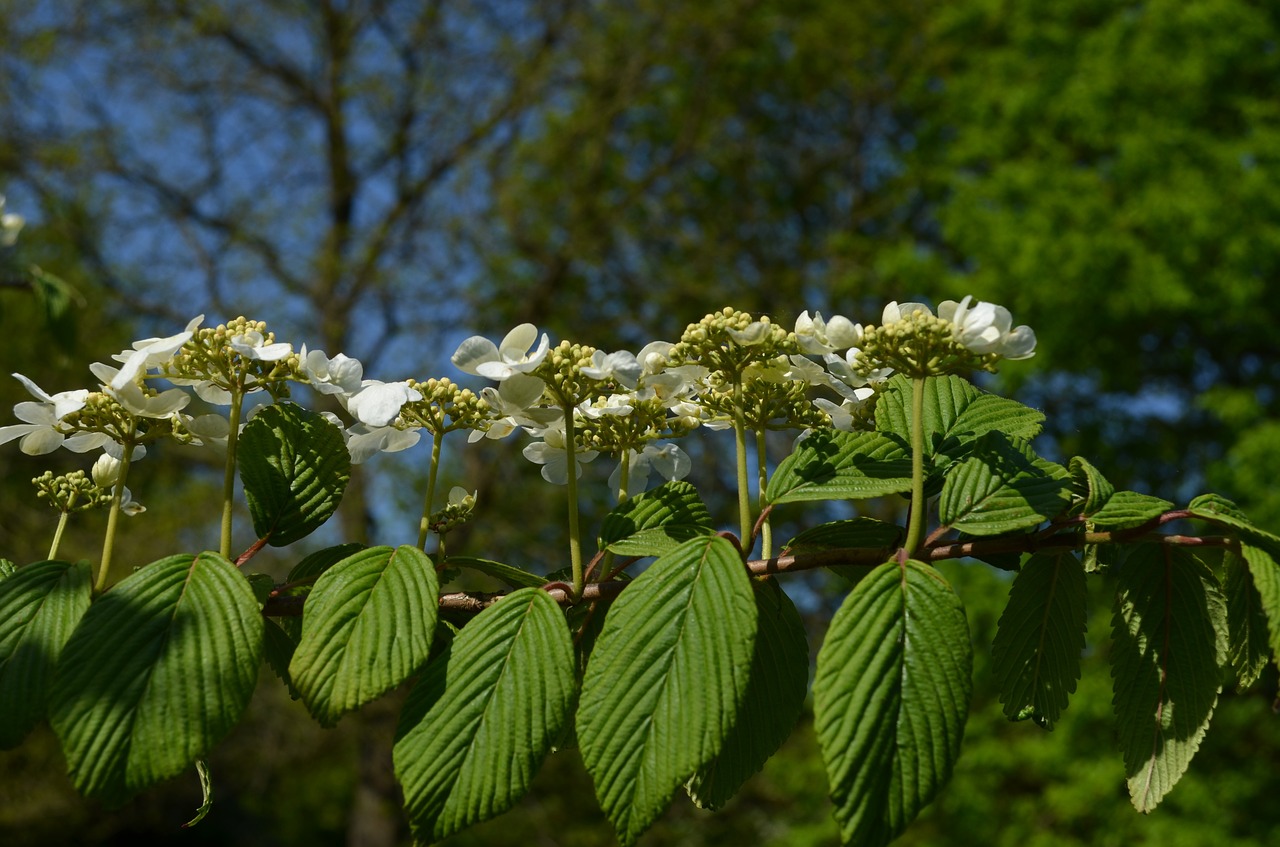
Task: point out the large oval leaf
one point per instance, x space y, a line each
39 608
485 713
295 466
1170 649
891 697
654 522
366 627
159 669
772 704
1002 487
666 679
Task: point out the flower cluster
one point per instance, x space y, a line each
963 335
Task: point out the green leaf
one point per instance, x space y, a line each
1090 490
890 699
278 646
366 627
513 576
491 706
853 533
206 791
1170 647
295 467
656 521
1248 648
1223 512
666 679
773 702
1128 509
159 669
834 465
1266 580
955 413
314 564
1036 653
40 606
1001 488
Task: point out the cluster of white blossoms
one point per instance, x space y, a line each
573 401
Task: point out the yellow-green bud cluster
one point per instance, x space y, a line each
101 413
444 407
561 370
452 515
728 341
919 345
208 356
73 492
648 421
766 404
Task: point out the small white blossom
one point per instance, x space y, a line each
987 328
621 366
378 403
339 375
480 356
818 336
10 226
895 311
551 453
253 345
150 353
667 459
364 442
39 431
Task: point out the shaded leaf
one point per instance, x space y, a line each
278 645
1248 647
1090 490
773 702
1266 580
366 627
1036 652
853 533
833 465
485 713
295 466
656 521
40 606
511 575
314 564
666 679
890 699
1001 488
159 669
1170 647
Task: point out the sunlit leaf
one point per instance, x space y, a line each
835 465
656 521
666 679
366 627
159 669
1001 488
485 712
890 699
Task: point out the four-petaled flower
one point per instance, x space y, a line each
480 356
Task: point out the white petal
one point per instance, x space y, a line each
473 352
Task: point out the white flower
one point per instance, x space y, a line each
621 366
377 403
818 336
754 333
339 375
550 452
253 345
210 430
842 415
895 311
106 473
39 430
136 402
480 356
364 442
987 328
667 459
10 225
150 353
653 356
614 404
459 496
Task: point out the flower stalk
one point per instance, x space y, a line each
113 515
